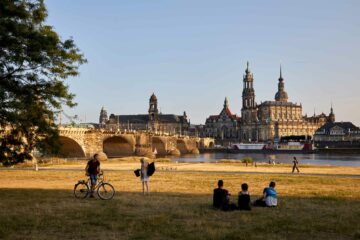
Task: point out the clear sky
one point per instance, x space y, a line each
193 53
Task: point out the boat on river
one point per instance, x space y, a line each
281 147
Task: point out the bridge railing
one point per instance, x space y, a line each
73 130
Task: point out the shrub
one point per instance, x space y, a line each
247 160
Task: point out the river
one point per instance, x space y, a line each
314 159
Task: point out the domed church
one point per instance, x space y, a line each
271 120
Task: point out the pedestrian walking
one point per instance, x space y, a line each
295 166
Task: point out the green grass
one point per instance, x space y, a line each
40 205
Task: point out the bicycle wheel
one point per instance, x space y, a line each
106 191
81 190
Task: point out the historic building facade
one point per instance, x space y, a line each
154 121
271 120
224 126
336 132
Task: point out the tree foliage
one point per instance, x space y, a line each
34 62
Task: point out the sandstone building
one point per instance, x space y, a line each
153 121
271 120
267 121
224 126
337 135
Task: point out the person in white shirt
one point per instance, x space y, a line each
144 176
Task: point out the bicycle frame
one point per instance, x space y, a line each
100 180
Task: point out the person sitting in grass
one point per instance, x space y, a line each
244 198
269 198
92 170
221 198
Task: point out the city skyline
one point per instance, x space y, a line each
193 55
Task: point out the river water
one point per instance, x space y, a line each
314 159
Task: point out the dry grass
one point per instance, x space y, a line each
132 163
40 205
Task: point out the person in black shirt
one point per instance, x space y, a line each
221 198
244 198
92 170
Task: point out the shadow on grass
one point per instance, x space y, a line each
56 214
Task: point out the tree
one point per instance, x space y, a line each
34 63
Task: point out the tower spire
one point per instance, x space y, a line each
281 94
247 67
331 117
331 109
226 102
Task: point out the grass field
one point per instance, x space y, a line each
40 205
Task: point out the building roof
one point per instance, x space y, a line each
144 118
277 103
169 118
344 125
227 112
139 118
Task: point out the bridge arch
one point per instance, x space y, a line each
70 148
118 146
182 146
159 144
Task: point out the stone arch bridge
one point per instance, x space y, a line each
84 142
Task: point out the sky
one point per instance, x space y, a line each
193 54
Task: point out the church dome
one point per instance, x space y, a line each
281 96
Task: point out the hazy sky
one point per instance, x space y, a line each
193 54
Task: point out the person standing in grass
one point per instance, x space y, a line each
92 170
244 198
295 166
144 176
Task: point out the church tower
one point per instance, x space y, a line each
153 112
281 95
331 117
249 109
226 103
103 117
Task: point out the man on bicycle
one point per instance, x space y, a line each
92 170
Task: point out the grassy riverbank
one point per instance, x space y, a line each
225 165
40 205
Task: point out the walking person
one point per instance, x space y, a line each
295 166
144 175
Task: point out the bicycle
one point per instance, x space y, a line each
104 190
